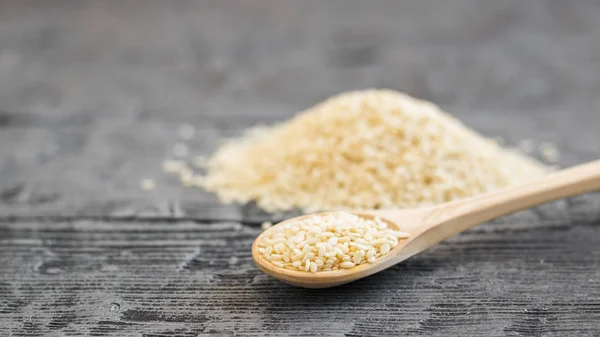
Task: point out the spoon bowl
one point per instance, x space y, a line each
428 226
324 279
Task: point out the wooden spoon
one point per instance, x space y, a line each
429 226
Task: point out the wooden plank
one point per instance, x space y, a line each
187 279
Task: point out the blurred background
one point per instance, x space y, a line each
92 93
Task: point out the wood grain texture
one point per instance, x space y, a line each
190 278
92 93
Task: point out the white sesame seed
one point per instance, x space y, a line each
384 249
280 247
526 145
171 166
286 256
347 264
371 252
147 184
276 257
322 251
549 152
266 225
186 131
309 257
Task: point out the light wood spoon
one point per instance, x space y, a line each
429 226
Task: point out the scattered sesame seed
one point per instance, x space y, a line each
526 145
266 225
172 166
186 131
147 184
549 152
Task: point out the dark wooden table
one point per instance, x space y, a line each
92 94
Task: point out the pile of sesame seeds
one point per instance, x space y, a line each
327 242
364 149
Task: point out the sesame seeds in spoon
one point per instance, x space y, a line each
328 241
330 249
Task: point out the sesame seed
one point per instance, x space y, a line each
266 225
526 145
172 166
347 264
147 184
549 152
186 131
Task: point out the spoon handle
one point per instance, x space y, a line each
561 184
452 218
